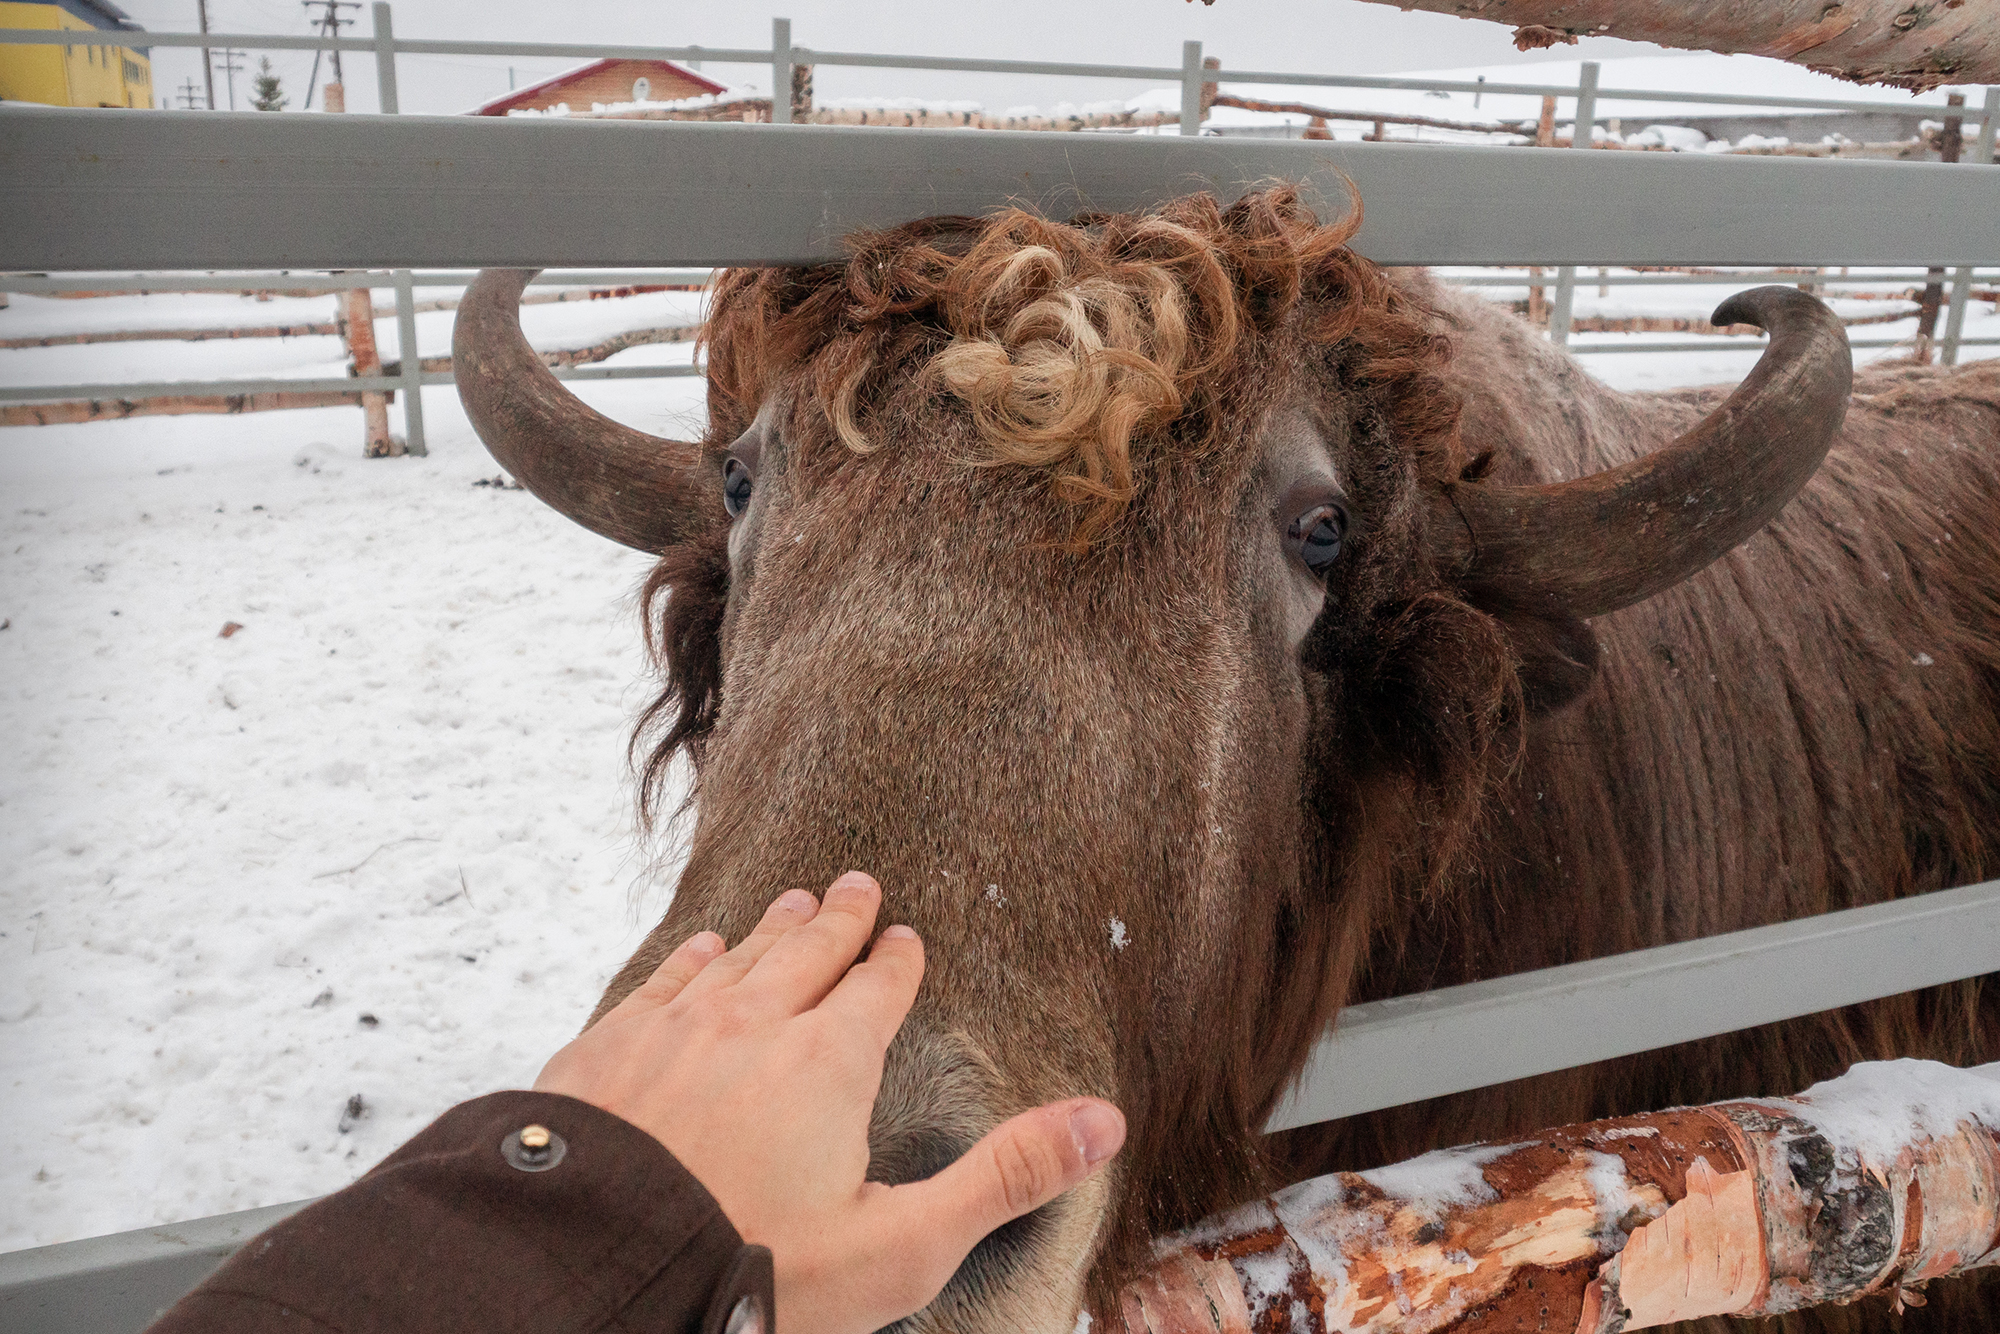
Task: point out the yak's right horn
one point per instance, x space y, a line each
631 487
1594 544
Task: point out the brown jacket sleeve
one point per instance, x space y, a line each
461 1230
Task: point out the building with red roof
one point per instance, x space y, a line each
605 82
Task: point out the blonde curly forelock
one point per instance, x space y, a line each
1072 346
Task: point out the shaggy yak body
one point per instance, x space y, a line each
1015 618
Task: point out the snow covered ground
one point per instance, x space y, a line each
377 843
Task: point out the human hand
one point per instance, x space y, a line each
758 1069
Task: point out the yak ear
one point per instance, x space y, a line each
1556 657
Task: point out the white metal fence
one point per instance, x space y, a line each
418 194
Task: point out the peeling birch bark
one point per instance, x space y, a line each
1914 46
117 409
1876 1182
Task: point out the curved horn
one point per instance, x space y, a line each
1617 537
628 486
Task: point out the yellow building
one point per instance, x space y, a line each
73 76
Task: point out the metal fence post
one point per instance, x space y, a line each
781 71
1961 278
1191 87
412 364
1579 137
385 60
406 300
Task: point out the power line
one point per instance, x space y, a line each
189 94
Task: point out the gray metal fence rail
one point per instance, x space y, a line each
420 193
783 57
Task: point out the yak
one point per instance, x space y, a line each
1196 628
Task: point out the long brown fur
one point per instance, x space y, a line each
1809 724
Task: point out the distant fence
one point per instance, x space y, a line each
1195 74
111 401
91 402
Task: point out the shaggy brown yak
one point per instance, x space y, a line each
1196 629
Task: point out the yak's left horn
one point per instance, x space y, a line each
1593 545
628 486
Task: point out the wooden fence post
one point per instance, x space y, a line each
1949 143
1545 137
354 312
802 93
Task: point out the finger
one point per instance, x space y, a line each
791 910
798 971
876 994
1019 1167
675 972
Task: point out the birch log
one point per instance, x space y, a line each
357 308
1876 1182
1914 46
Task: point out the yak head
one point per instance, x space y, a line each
1121 595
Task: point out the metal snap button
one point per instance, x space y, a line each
533 1149
746 1317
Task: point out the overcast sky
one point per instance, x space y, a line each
1321 36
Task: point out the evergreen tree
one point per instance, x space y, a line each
266 96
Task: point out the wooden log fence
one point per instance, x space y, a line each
580 356
1539 134
315 328
1875 1183
73 410
1377 117
68 411
1691 323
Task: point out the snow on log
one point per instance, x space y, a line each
1867 41
1876 1182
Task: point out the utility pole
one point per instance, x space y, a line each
329 23
230 64
207 68
189 94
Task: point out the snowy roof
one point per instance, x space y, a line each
514 98
97 13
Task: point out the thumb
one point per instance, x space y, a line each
1020 1166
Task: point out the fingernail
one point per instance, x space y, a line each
899 932
707 942
798 901
1099 1131
855 880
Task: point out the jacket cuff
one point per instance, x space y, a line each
515 1211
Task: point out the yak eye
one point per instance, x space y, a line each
736 484
1316 535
